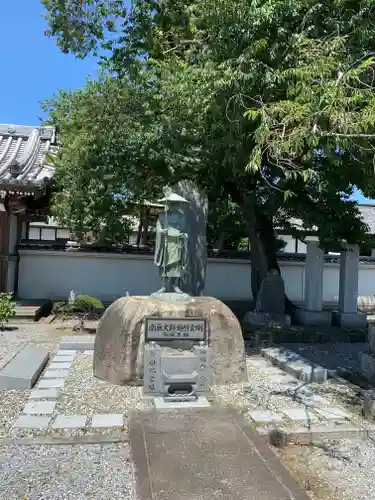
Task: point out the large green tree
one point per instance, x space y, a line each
268 104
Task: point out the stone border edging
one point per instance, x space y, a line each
295 365
303 436
62 440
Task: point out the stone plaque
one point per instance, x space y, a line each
175 328
152 369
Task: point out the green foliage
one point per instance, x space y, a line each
106 140
235 95
63 309
7 308
88 22
85 303
82 305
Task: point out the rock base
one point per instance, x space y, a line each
119 342
254 320
367 365
349 321
371 336
314 318
368 408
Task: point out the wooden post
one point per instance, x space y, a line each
4 250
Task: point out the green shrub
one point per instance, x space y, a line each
7 308
64 308
85 303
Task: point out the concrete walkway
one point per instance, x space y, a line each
205 454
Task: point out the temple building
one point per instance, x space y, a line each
25 189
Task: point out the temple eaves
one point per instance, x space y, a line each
24 164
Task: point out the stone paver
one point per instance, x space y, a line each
29 422
69 422
265 417
332 413
282 378
64 365
64 359
57 383
81 342
205 454
273 370
108 420
44 394
39 408
299 414
66 352
56 374
257 362
314 400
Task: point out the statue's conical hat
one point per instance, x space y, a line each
173 198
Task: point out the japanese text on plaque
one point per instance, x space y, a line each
168 328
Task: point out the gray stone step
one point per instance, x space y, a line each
222 458
77 342
23 370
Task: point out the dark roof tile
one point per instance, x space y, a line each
23 151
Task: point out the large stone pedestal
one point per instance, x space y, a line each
119 342
367 358
305 317
367 365
349 320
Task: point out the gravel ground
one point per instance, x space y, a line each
13 402
11 405
42 335
84 394
336 356
66 472
268 389
345 467
104 472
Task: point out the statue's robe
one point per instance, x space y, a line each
170 249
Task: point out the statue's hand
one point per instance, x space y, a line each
183 236
163 231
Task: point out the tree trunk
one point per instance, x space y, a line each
146 221
220 242
263 251
259 264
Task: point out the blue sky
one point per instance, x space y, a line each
33 68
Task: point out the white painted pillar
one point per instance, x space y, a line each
314 277
349 271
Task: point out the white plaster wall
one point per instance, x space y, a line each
53 274
290 246
293 276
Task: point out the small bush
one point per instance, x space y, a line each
63 308
7 308
86 304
